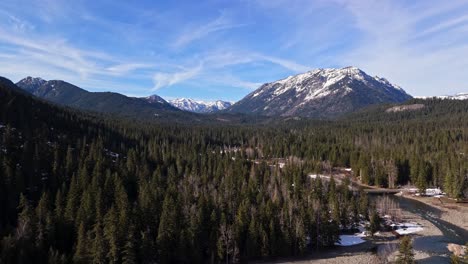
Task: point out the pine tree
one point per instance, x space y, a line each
73 197
363 204
168 230
99 247
43 215
81 254
374 222
406 255
129 252
112 236
26 219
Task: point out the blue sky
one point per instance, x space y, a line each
224 49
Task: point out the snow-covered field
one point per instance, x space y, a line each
350 240
407 228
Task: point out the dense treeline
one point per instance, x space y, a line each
86 188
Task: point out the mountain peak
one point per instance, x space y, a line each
33 79
154 99
321 92
31 84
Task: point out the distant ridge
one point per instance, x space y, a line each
460 96
199 106
64 93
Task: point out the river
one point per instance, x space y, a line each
431 248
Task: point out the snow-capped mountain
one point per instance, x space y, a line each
320 93
460 96
31 84
199 106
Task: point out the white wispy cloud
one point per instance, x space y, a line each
163 79
445 25
211 69
236 82
17 24
25 52
223 58
222 22
288 64
55 52
120 69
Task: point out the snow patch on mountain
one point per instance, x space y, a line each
30 84
321 92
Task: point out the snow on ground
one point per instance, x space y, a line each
362 234
434 192
407 228
349 240
315 176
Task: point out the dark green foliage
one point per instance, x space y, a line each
374 225
406 255
169 237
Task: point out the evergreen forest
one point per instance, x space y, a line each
81 187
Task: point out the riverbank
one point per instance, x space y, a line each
454 213
429 244
362 253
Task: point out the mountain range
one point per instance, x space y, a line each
191 105
63 93
320 93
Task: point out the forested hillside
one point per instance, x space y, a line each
67 94
82 188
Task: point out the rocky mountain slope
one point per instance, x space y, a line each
320 93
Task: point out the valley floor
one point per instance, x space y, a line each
454 213
429 245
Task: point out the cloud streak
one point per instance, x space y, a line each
162 79
288 64
125 68
221 23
